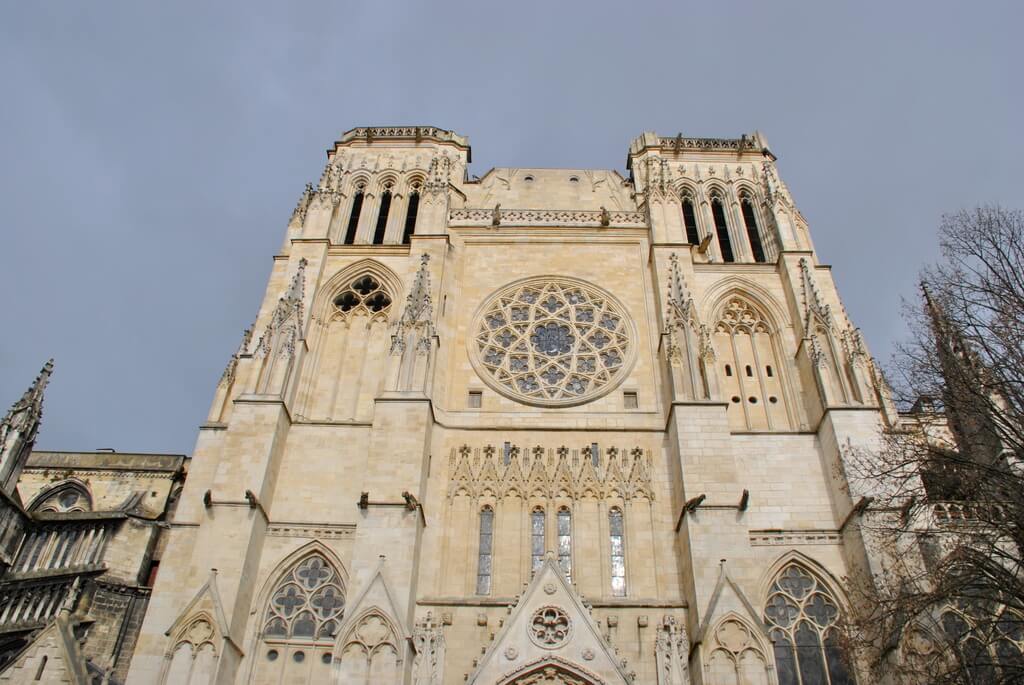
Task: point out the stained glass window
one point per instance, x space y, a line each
617 539
990 641
485 556
555 342
536 539
565 542
802 619
308 603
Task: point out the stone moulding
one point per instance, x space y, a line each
760 538
710 144
311 530
547 217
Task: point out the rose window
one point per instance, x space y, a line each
553 342
549 627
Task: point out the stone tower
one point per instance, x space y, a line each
545 426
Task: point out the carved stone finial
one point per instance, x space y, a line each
299 213
418 316
229 371
19 428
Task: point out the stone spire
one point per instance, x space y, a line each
814 305
19 428
418 316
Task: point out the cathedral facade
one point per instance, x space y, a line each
542 426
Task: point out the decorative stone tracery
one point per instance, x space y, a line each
308 603
574 473
553 341
550 627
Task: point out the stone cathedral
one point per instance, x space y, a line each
542 426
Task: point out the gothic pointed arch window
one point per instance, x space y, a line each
411 211
750 221
617 540
721 227
303 614
690 219
803 619
565 541
745 340
382 216
537 517
354 214
988 641
485 554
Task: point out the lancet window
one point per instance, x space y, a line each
353 216
382 217
722 229
307 605
802 618
565 541
744 341
536 539
690 220
617 539
485 556
410 216
753 234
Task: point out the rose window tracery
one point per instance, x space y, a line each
553 341
550 627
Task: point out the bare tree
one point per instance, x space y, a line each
944 600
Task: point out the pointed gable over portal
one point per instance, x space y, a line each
550 638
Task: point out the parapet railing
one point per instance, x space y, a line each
546 217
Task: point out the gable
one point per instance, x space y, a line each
549 628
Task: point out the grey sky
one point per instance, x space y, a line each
153 152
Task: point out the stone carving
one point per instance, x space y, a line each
545 217
414 337
372 646
550 627
282 332
735 652
552 342
299 213
549 588
739 315
618 472
679 143
587 654
672 652
511 653
228 377
657 178
416 327
429 645
19 428
814 305
682 316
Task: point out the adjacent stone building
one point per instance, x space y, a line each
542 426
81 536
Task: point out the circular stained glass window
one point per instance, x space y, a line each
552 341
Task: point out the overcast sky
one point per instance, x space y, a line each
153 152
